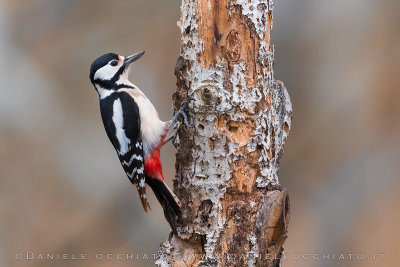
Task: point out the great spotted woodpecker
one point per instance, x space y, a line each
134 128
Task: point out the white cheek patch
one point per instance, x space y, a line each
107 72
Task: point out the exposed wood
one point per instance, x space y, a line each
235 211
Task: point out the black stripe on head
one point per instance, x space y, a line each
101 62
112 84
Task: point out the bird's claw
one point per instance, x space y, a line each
185 120
186 101
184 105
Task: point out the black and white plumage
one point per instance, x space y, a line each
133 126
118 112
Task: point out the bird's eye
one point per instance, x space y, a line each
114 63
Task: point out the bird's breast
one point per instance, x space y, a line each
151 127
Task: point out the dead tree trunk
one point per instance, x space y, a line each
235 212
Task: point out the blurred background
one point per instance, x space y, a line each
62 189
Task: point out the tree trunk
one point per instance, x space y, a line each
234 210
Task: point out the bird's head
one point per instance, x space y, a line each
111 70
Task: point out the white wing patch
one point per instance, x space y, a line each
118 120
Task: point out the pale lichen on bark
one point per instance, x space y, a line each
227 163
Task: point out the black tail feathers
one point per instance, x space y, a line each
172 211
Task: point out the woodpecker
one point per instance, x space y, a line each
135 130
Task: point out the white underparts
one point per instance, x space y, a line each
151 127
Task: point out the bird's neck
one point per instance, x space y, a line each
124 82
104 91
106 88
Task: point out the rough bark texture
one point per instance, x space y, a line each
235 212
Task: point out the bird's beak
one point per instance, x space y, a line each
128 60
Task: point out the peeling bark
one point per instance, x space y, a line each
235 211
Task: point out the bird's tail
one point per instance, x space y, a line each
168 201
143 198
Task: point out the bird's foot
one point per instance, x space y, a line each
181 112
174 133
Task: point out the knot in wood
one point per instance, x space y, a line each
209 99
233 46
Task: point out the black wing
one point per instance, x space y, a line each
121 119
